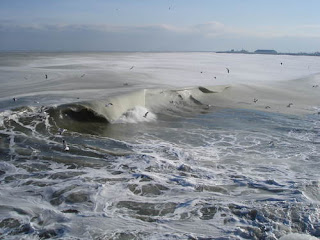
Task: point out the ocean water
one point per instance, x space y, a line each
173 148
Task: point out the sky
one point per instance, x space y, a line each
159 25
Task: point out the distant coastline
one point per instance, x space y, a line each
270 52
259 51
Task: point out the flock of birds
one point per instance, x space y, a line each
61 131
267 107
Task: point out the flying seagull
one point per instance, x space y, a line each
132 67
289 105
207 106
255 100
83 75
145 115
267 107
61 131
271 144
109 104
228 70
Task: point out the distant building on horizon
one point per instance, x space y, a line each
270 51
265 51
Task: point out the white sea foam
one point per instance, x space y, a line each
298 236
4 115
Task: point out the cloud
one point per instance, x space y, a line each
157 37
209 29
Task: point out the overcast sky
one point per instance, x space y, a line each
159 25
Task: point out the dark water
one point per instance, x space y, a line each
209 174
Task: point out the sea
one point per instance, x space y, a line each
152 145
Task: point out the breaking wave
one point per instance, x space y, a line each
139 106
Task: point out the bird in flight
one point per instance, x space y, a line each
271 144
145 115
228 70
61 131
289 105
